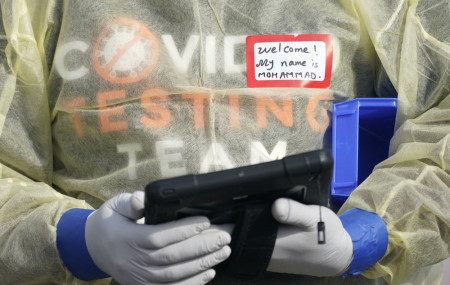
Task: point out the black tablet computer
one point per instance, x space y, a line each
305 177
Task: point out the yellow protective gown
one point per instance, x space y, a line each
101 97
410 190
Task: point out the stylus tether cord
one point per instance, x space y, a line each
320 225
321 229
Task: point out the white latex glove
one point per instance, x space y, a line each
178 252
297 250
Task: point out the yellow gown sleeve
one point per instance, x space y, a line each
411 189
29 207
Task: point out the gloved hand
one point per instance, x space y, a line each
297 250
179 252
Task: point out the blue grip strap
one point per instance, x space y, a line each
71 244
369 236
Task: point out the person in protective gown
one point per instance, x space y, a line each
99 98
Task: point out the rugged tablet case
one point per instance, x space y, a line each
305 177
